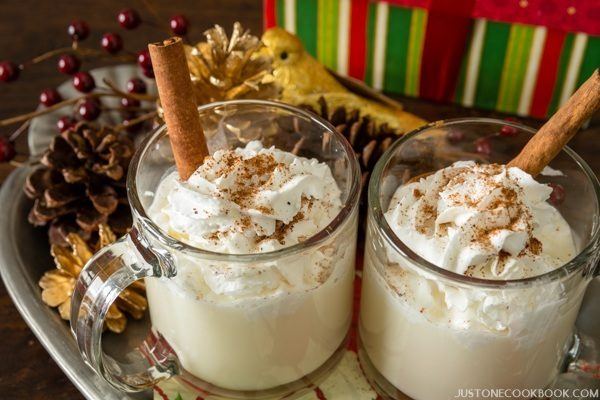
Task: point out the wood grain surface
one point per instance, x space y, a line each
31 27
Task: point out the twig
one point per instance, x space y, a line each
15 163
81 51
157 21
137 96
19 130
136 121
57 106
128 109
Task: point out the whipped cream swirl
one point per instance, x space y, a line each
485 221
248 200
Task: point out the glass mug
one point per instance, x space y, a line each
411 345
252 347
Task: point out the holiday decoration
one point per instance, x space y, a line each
520 57
368 139
226 68
81 183
58 284
291 63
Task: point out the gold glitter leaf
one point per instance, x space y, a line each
65 260
80 249
106 236
117 325
58 284
65 309
57 294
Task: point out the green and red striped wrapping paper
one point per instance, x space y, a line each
446 50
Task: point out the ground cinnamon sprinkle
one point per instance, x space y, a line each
535 246
253 174
281 229
248 177
427 214
500 204
264 209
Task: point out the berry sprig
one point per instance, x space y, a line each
483 145
69 60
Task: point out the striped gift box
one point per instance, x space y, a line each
522 56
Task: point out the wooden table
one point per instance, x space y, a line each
31 27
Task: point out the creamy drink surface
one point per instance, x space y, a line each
429 337
253 325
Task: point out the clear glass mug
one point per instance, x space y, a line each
269 345
524 328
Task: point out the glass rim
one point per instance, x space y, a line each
376 212
318 238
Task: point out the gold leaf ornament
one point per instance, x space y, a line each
58 284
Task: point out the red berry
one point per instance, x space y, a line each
50 97
112 42
78 30
455 136
68 64
129 102
508 131
143 59
179 25
483 146
9 71
65 123
84 82
7 150
129 18
136 85
148 72
89 109
558 194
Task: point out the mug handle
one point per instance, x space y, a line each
105 276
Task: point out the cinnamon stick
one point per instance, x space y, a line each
177 99
560 128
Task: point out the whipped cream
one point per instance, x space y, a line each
484 221
250 200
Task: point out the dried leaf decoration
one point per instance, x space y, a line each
58 284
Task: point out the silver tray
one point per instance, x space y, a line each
24 256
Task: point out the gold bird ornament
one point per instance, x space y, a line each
303 81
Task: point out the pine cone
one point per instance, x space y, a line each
81 183
225 68
368 139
